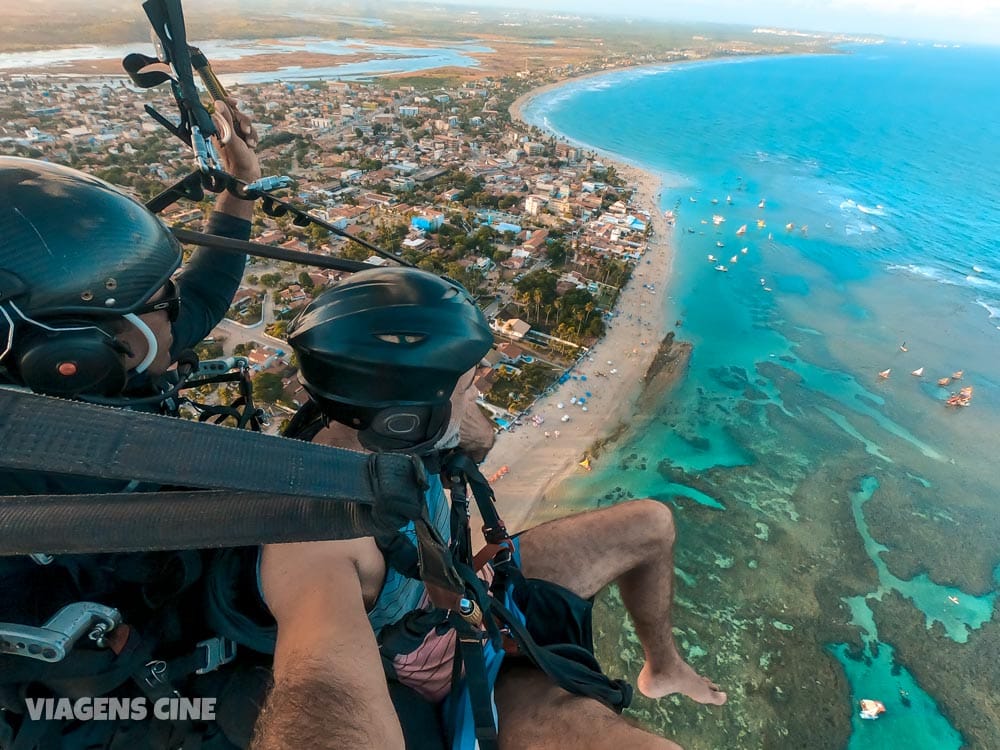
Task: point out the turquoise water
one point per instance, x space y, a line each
858 506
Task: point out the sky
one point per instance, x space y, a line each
976 21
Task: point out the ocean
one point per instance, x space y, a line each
837 256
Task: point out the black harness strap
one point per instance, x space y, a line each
375 493
40 433
149 521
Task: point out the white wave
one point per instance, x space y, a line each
944 277
981 283
851 205
993 311
854 229
927 272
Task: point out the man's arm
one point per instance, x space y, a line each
329 687
211 277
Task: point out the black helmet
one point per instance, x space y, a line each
388 338
73 245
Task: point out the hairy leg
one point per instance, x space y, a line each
534 713
631 544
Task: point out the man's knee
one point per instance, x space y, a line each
652 519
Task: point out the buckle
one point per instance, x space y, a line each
218 651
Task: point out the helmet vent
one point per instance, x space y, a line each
400 338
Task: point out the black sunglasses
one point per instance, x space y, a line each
171 303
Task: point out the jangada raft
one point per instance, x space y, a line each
962 398
871 709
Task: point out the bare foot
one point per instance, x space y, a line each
682 679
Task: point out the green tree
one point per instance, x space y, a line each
267 387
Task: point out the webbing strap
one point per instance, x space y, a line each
41 433
272 477
469 652
149 521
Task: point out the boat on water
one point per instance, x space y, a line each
719 243
729 199
742 230
871 709
712 257
789 226
761 223
721 268
957 375
744 250
977 269
884 374
943 381
715 200
693 199
735 259
918 372
690 230
762 203
767 289
718 219
804 229
962 398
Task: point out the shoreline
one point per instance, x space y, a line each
634 340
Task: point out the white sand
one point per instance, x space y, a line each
536 463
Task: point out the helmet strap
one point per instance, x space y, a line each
147 333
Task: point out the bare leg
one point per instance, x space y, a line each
631 544
536 714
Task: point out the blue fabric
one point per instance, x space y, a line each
400 594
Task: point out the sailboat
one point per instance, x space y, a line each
885 374
789 226
735 259
918 372
761 223
761 204
744 250
742 230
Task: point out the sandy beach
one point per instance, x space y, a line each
537 464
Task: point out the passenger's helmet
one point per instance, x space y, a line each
383 350
72 245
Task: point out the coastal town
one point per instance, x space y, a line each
541 232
